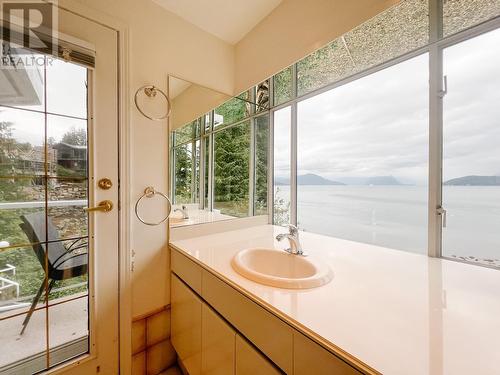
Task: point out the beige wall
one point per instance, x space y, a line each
194 102
159 43
293 30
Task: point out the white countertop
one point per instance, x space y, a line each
399 313
197 217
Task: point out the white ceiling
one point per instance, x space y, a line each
229 20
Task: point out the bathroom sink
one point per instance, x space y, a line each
280 269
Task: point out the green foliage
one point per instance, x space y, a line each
281 209
261 163
183 173
76 137
283 86
231 168
233 110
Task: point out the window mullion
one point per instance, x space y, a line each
435 129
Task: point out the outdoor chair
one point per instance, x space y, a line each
59 262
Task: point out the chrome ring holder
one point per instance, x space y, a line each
150 192
151 92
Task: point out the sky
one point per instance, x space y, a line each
374 126
66 95
378 125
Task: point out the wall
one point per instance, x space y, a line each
194 102
159 43
295 29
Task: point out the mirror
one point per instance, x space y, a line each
218 153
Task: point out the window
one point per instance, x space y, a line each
361 142
231 170
362 159
261 164
232 111
471 161
186 156
283 86
459 15
402 28
282 166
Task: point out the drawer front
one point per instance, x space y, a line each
186 326
271 335
250 362
311 358
217 344
186 269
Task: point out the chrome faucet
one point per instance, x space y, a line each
183 211
293 238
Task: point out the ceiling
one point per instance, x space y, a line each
229 20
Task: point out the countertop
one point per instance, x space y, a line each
197 217
397 312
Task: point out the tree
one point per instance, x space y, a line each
76 137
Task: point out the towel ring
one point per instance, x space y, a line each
150 192
151 91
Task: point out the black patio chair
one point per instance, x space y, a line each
57 260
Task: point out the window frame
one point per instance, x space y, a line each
437 43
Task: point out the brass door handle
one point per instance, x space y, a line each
104 206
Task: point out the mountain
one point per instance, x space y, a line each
314 179
474 181
307 179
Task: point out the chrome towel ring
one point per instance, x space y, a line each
151 91
150 192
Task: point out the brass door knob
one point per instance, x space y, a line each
104 206
105 183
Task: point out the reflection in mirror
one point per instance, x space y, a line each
219 153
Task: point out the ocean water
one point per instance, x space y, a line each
396 216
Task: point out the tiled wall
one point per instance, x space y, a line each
152 351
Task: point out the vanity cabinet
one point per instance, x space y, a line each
218 330
249 361
186 326
217 344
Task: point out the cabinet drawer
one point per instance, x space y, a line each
311 358
186 326
186 269
217 344
271 335
249 361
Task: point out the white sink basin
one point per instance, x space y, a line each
280 269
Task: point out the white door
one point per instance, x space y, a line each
58 139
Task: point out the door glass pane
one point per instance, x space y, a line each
44 252
362 159
66 89
22 140
261 163
471 161
231 170
282 169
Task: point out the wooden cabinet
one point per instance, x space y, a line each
310 358
217 344
254 322
249 361
186 326
218 330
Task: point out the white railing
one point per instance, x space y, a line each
41 204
